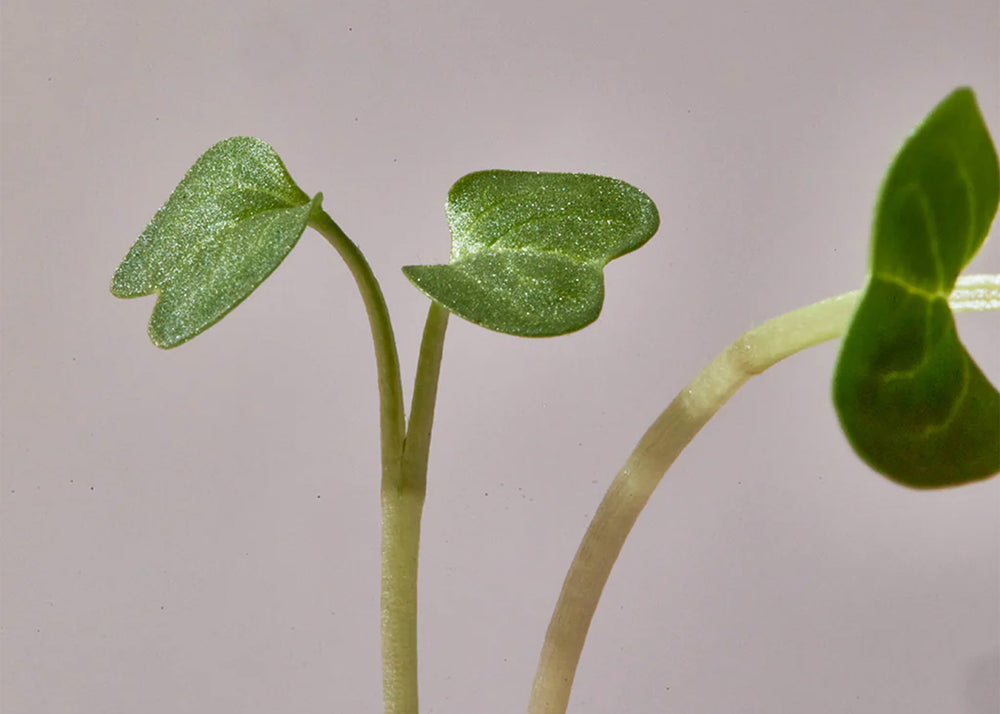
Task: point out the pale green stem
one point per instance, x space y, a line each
391 416
401 508
750 354
404 470
418 431
401 512
402 504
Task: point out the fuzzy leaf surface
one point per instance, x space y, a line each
226 227
529 249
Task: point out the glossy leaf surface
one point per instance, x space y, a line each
911 400
529 249
228 224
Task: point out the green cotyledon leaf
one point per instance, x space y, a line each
529 249
911 400
226 227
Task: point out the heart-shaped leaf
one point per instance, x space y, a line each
529 249
911 400
226 227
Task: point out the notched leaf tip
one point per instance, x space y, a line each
229 223
529 248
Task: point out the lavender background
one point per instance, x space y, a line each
197 531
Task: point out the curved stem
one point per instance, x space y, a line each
752 353
387 359
402 505
404 469
400 511
418 432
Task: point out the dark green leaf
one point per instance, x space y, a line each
228 224
528 249
912 402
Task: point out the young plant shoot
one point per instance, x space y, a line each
527 259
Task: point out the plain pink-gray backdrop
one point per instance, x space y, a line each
197 530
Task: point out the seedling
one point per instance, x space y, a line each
527 259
